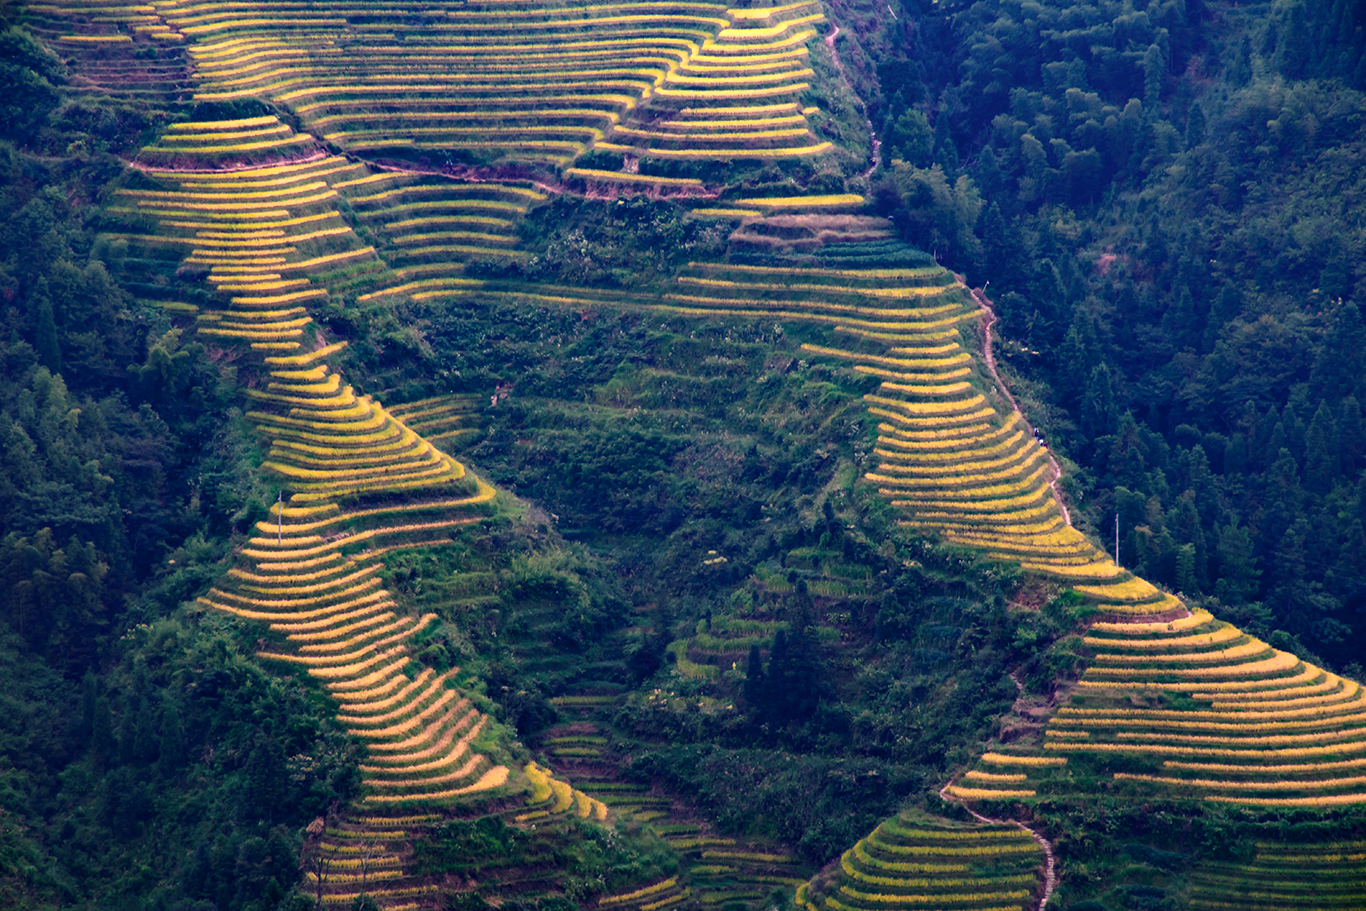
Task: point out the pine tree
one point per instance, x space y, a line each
1284 497
1185 570
1195 126
1341 361
171 752
1352 434
1227 306
103 745
1181 320
1322 459
1154 75
1099 415
754 679
1260 437
44 323
266 780
989 178
90 692
1238 572
1077 359
1200 481
945 150
774 680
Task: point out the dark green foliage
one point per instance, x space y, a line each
148 759
207 803
832 802
549 868
28 72
633 243
460 847
789 691
1156 857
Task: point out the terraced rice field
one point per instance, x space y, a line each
258 210
715 869
312 572
912 864
261 208
736 97
724 642
499 81
447 419
1220 715
367 855
728 639
552 797
1266 729
952 454
761 226
263 229
659 895
431 226
124 50
1307 877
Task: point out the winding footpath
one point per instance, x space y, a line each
844 77
1050 862
989 320
1050 868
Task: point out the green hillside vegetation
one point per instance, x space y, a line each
561 456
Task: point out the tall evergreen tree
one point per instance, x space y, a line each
1322 454
1351 436
1238 572
42 318
1099 413
754 679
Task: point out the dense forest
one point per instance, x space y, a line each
1164 205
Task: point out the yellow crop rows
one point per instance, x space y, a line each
552 797
984 485
508 71
1277 732
1283 876
702 106
927 865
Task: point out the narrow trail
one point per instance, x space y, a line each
1050 861
232 169
989 320
844 77
469 175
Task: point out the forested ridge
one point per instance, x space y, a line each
1165 201
687 600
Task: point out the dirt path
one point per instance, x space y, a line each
231 169
1050 862
844 77
989 320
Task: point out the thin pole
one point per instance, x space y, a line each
1116 539
280 514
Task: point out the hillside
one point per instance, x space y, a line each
649 455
